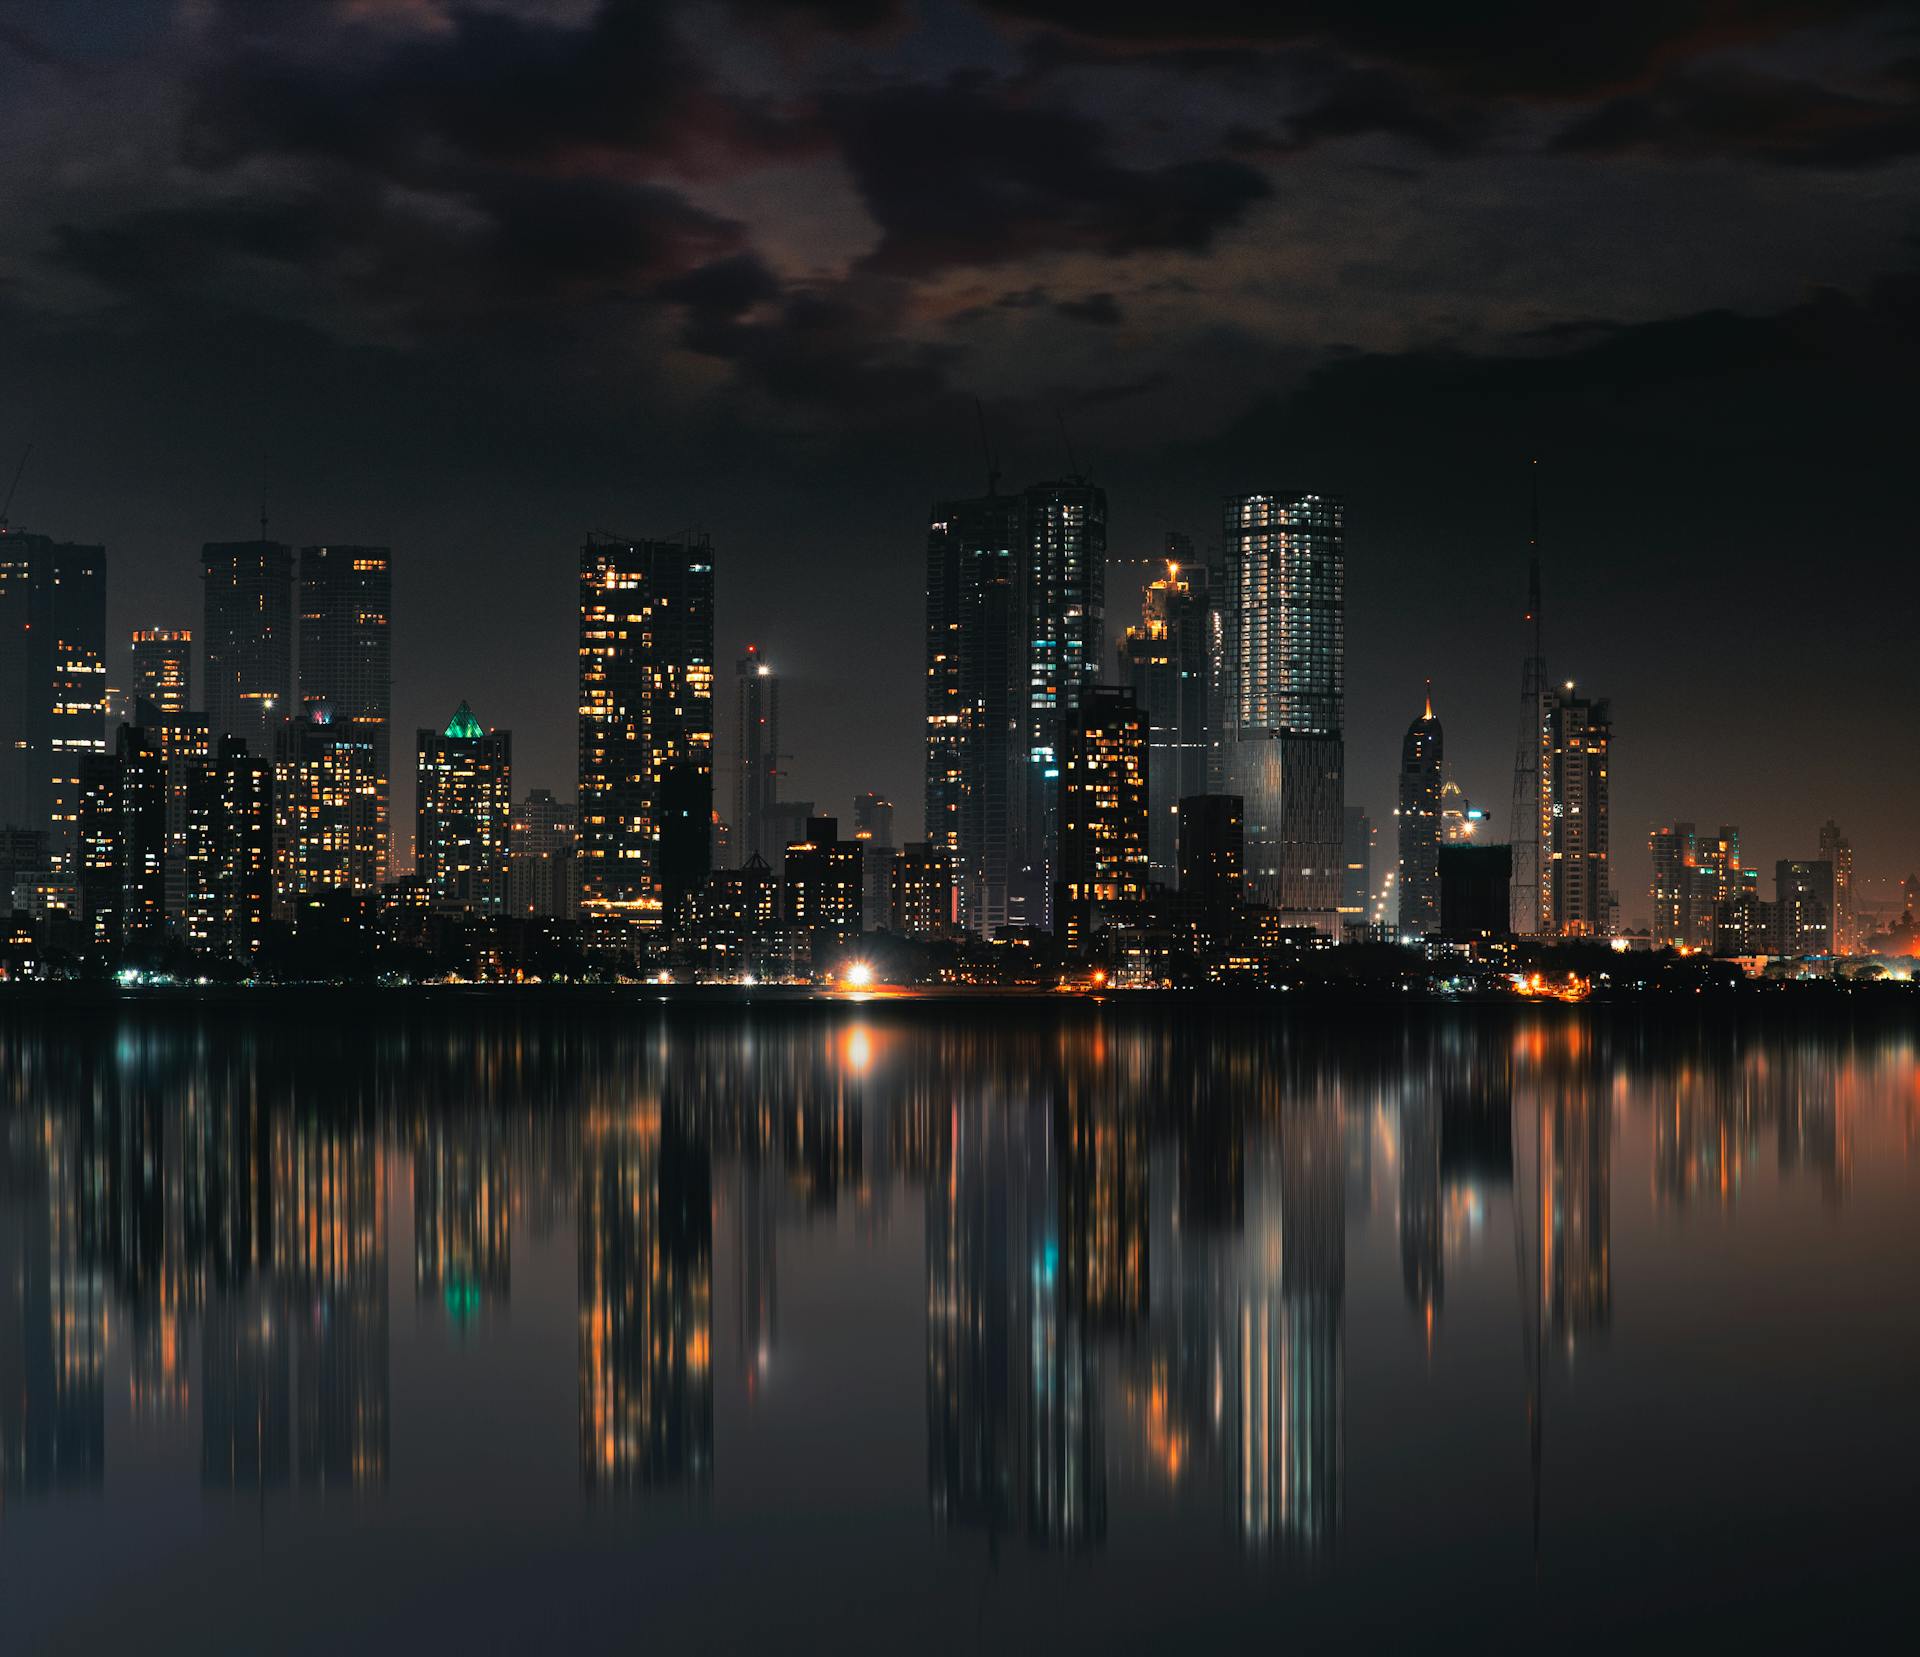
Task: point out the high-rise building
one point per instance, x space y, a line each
824 885
1103 805
786 823
646 730
326 831
1285 660
922 899
1475 900
540 858
464 807
246 637
1421 762
1356 884
142 910
1461 821
1837 849
1065 642
163 668
1164 661
873 828
1213 850
974 695
1016 614
53 686
239 817
1803 907
1575 881
756 783
346 651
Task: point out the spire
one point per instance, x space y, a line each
463 724
1429 713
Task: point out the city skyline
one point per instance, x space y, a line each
1347 262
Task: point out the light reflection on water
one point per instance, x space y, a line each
949 1328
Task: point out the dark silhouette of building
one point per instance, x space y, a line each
756 783
1476 899
246 637
1421 763
53 692
541 865
1802 907
1213 850
1163 660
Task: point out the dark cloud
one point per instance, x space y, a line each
1101 309
1697 115
1504 47
963 174
619 90
1358 101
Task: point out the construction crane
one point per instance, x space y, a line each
6 506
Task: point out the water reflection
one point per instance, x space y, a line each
1135 1232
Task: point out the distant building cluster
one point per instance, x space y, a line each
1183 819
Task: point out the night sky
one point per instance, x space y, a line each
472 279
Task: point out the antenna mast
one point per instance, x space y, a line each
1532 898
6 506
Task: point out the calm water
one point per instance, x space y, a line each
491 1325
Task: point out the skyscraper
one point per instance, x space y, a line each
975 695
326 818
540 857
1213 850
1065 639
921 892
53 687
1803 907
1837 849
1527 821
1421 762
246 638
824 884
464 806
756 783
1164 661
1356 886
646 730
1285 660
1575 878
1016 615
873 828
1103 806
163 668
346 651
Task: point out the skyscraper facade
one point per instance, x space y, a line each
163 668
246 637
1103 804
1356 886
824 884
464 809
346 651
756 784
1575 871
873 828
1803 907
1422 759
1285 659
53 688
327 831
540 857
646 730
1163 660
974 696
1064 643
1837 849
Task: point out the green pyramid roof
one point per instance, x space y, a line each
463 724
